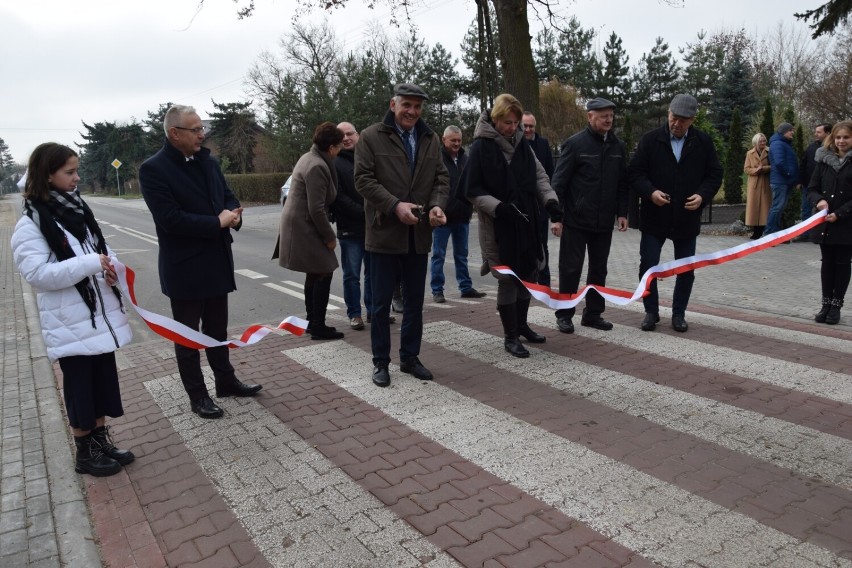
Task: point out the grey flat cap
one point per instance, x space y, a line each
684 105
410 90
599 103
784 128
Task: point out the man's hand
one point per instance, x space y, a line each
659 198
405 212
230 218
622 224
693 202
332 244
437 217
556 229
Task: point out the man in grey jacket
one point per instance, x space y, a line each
401 175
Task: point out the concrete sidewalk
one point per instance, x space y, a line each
730 445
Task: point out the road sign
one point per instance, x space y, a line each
116 164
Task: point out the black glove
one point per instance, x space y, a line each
554 211
503 210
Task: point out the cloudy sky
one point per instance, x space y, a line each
64 62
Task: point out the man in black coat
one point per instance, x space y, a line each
194 211
591 182
676 172
542 151
806 170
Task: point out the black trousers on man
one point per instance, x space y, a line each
572 252
212 313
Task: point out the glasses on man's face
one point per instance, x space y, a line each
529 127
197 130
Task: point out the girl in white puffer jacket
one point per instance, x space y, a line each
60 251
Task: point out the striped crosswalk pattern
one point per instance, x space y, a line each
606 428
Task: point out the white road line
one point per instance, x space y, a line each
138 234
298 507
301 286
773 332
293 293
799 448
665 524
802 378
250 274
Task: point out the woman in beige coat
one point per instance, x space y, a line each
306 238
758 192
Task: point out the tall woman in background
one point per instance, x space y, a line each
306 238
831 189
505 183
758 192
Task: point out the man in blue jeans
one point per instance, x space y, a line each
458 214
783 174
676 172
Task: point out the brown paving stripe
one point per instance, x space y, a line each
161 510
805 508
797 407
471 514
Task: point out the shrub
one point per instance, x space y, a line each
257 188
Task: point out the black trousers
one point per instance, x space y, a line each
572 252
212 313
835 270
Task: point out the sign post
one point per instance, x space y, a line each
117 164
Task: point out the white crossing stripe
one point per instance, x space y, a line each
250 274
665 524
799 448
299 508
301 286
786 374
293 293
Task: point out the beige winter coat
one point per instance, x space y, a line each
758 192
305 228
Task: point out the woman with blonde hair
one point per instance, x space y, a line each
758 192
506 183
830 189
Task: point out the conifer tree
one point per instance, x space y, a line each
767 124
734 159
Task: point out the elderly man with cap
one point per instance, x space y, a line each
591 181
676 172
783 174
401 175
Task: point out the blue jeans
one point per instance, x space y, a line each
649 255
352 256
780 193
440 238
807 208
385 271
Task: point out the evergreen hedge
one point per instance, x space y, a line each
257 188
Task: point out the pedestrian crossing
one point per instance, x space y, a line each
728 446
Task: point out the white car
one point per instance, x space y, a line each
285 190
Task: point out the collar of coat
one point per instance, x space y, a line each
176 155
830 158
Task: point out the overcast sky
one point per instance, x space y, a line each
65 62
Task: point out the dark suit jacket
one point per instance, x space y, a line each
185 199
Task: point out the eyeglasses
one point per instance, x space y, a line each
529 127
197 130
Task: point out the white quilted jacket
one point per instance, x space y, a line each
66 323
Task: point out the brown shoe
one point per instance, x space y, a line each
356 323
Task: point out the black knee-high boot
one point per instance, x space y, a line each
509 319
524 329
322 289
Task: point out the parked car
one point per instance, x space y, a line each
285 190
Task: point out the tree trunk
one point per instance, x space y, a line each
516 52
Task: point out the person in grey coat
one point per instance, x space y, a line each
306 238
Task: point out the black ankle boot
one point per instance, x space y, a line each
833 315
820 316
318 329
102 435
91 458
509 319
524 330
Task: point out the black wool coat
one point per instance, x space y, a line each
185 199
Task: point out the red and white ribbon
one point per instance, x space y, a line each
558 301
188 337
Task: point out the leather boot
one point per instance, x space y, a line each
509 319
91 458
102 435
524 330
820 316
318 329
833 315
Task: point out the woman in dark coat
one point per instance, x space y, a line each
506 183
306 238
831 189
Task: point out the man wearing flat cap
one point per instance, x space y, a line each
783 174
591 182
676 172
401 175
